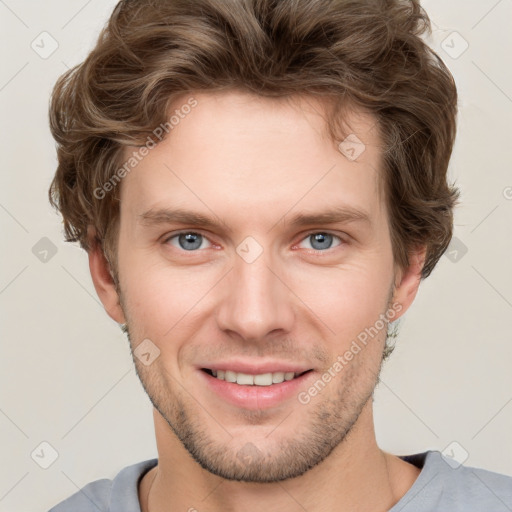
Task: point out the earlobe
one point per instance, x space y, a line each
103 281
408 280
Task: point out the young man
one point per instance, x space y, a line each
261 186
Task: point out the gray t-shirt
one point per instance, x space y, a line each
440 487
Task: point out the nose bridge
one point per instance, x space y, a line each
256 302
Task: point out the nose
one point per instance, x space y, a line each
256 301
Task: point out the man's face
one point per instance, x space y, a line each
255 288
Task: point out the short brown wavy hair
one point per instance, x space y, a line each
355 53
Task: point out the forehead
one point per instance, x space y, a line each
240 153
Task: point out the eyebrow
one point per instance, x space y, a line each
337 215
177 216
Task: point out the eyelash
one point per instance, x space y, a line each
315 252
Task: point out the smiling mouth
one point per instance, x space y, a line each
245 379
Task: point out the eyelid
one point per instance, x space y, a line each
342 239
303 236
167 237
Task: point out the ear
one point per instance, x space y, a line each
103 280
407 280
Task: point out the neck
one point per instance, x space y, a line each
356 476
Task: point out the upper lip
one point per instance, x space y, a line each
254 368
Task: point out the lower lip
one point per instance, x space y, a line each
256 397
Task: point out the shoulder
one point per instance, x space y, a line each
92 497
121 493
445 484
478 487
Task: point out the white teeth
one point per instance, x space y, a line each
277 377
264 379
244 379
230 376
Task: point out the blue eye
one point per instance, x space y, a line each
321 241
188 241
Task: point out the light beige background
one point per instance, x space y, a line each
67 378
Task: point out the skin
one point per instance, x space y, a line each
252 164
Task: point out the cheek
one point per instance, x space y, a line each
347 299
162 299
342 300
